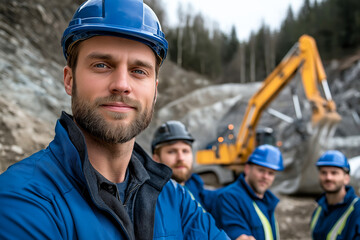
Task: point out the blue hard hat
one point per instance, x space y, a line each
171 131
267 156
131 19
334 158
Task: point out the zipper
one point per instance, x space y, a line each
129 194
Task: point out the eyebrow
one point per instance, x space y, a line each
143 64
99 56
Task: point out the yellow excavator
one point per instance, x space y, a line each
303 57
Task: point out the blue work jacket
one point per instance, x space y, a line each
234 210
54 194
204 196
327 216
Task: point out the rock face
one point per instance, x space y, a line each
31 91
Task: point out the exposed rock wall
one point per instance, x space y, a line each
31 91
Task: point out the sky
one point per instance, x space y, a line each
246 15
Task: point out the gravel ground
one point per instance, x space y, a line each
293 214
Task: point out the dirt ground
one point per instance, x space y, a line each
293 214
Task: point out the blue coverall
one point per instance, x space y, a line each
204 196
235 211
56 194
346 214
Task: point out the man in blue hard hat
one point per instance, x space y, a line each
245 208
93 181
338 213
172 146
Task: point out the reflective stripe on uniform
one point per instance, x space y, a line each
339 225
277 230
265 223
193 198
315 218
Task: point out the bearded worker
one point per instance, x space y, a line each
338 213
172 146
245 209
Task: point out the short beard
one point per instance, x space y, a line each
254 187
334 191
181 178
86 116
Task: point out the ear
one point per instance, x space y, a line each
156 158
246 169
156 90
68 80
347 179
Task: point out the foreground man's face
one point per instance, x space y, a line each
113 88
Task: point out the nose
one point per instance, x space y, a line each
328 176
180 156
267 175
120 81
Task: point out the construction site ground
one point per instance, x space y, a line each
293 214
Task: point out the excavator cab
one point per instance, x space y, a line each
265 135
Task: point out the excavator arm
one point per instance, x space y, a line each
304 57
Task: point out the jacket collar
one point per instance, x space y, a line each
350 195
269 198
70 148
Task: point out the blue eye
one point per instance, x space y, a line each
100 65
138 71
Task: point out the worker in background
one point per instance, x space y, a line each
338 213
172 146
245 208
93 181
